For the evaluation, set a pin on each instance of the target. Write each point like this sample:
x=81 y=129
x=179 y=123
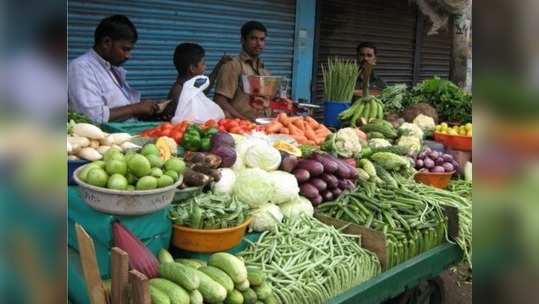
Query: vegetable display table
x=404 y=276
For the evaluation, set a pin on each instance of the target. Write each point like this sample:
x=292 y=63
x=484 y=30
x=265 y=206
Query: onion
x=419 y=163
x=439 y=161
x=448 y=167
x=422 y=155
x=434 y=155
x=438 y=169
x=447 y=157
x=455 y=164
x=428 y=163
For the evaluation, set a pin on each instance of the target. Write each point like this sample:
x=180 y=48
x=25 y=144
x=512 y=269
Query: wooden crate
x=375 y=241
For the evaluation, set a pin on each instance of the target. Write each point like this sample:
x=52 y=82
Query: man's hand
x=146 y=108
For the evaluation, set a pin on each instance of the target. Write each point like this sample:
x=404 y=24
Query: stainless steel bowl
x=261 y=85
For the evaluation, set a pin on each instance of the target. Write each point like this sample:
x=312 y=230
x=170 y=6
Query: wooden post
x=90 y=268
x=140 y=288
x=462 y=52
x=120 y=276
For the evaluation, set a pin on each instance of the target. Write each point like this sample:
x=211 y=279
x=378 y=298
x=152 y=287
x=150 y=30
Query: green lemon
x=147 y=183
x=113 y=153
x=97 y=177
x=84 y=172
x=117 y=181
x=130 y=188
x=100 y=163
x=156 y=172
x=172 y=174
x=139 y=165
x=164 y=180
x=175 y=164
x=150 y=149
x=114 y=166
x=131 y=179
x=155 y=160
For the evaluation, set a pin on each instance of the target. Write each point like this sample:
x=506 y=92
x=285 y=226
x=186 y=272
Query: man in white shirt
x=97 y=84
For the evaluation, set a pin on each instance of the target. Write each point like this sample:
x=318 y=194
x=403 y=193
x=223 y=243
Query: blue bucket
x=332 y=110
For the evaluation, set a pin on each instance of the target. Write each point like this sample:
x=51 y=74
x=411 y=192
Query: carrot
x=310 y=142
x=299 y=138
x=311 y=121
x=299 y=123
x=309 y=133
x=294 y=130
x=319 y=140
x=283 y=118
x=284 y=131
x=274 y=127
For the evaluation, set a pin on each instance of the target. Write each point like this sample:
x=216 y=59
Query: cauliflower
x=379 y=143
x=426 y=123
x=346 y=142
x=409 y=129
x=411 y=142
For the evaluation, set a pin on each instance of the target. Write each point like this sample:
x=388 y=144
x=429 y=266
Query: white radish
x=102 y=149
x=120 y=138
x=72 y=157
x=117 y=147
x=90 y=154
x=69 y=148
x=129 y=145
x=88 y=130
x=94 y=143
x=107 y=140
x=78 y=141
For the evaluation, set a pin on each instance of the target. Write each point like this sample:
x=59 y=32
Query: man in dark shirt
x=366 y=52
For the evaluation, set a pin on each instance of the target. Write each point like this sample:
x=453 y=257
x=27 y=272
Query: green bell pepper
x=192 y=141
x=205 y=144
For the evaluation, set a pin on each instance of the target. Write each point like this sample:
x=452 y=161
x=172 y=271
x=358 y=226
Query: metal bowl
x=123 y=202
x=263 y=120
x=261 y=85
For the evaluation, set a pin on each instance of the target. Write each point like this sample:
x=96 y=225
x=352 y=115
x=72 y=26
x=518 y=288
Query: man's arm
x=139 y=109
x=215 y=72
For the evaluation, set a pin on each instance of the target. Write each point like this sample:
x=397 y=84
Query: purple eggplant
x=330 y=166
x=302 y=175
x=448 y=167
x=428 y=163
x=314 y=167
x=316 y=200
x=320 y=184
x=437 y=169
x=308 y=190
x=288 y=163
x=330 y=179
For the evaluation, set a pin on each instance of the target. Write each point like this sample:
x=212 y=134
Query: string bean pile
x=411 y=223
x=307 y=261
x=460 y=199
x=209 y=211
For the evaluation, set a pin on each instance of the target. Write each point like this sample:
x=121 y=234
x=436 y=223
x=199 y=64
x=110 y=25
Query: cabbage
x=411 y=142
x=296 y=207
x=254 y=187
x=379 y=143
x=285 y=187
x=226 y=182
x=265 y=218
x=262 y=155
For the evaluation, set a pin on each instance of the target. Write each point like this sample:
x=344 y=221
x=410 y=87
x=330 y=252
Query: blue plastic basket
x=129 y=127
x=332 y=109
x=72 y=165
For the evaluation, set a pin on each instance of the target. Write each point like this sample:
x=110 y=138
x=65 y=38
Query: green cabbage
x=226 y=182
x=265 y=218
x=294 y=208
x=254 y=187
x=262 y=155
x=285 y=187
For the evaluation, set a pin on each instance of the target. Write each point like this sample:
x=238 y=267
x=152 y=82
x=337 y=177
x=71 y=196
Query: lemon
x=438 y=128
x=444 y=125
x=469 y=125
x=462 y=132
x=452 y=132
x=469 y=133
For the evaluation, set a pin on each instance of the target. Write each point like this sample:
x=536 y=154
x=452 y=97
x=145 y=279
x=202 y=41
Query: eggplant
x=448 y=167
x=314 y=167
x=419 y=163
x=302 y=175
x=447 y=157
x=439 y=161
x=330 y=166
x=194 y=178
x=309 y=191
x=317 y=200
x=429 y=163
x=319 y=183
x=288 y=163
x=327 y=195
x=331 y=181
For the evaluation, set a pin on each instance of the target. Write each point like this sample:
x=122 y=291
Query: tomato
x=177 y=136
x=232 y=124
x=167 y=125
x=166 y=132
x=222 y=129
x=236 y=130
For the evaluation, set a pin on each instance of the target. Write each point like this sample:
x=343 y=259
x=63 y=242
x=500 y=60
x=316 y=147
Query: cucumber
x=263 y=291
x=259 y=302
x=255 y=276
x=234 y=297
x=368 y=166
x=196 y=297
x=399 y=150
x=176 y=294
x=180 y=274
x=270 y=300
x=193 y=263
x=362 y=174
x=375 y=134
x=218 y=276
x=211 y=291
x=242 y=286
x=249 y=296
x=165 y=256
x=158 y=296
x=230 y=264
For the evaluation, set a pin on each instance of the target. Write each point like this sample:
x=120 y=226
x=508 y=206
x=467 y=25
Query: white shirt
x=93 y=89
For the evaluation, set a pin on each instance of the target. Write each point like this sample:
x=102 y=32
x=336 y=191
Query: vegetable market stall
x=273 y=178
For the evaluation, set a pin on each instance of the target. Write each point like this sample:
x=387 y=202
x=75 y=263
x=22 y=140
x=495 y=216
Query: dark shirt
x=375 y=82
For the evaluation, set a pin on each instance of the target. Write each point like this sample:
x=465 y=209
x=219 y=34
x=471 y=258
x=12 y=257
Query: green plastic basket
x=129 y=127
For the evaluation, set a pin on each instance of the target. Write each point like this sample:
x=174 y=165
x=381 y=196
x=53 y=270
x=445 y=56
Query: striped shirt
x=95 y=87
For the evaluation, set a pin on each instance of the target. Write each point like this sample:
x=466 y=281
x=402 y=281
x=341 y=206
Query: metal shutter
x=436 y=53
x=390 y=24
x=214 y=24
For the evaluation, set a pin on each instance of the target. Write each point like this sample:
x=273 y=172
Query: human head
x=189 y=59
x=253 y=38
x=114 y=38
x=366 y=51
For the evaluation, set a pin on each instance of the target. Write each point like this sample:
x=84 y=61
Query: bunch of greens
x=393 y=96
x=340 y=77
x=452 y=103
x=78 y=117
